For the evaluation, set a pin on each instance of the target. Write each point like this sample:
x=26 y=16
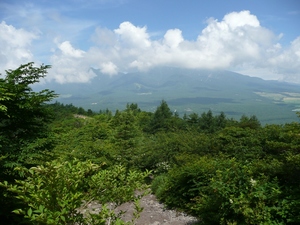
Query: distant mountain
x=186 y=91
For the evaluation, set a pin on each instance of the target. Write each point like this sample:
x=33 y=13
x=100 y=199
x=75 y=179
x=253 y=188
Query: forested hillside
x=186 y=91
x=56 y=158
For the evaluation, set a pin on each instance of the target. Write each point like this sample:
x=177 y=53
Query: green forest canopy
x=223 y=171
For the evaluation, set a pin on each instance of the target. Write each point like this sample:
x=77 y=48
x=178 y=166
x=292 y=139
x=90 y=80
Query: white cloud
x=109 y=68
x=15 y=46
x=69 y=65
x=237 y=39
x=287 y=62
x=173 y=38
x=104 y=37
x=68 y=50
x=237 y=42
x=132 y=36
x=241 y=19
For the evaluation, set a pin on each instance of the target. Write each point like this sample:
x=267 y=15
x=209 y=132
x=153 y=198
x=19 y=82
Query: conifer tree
x=161 y=118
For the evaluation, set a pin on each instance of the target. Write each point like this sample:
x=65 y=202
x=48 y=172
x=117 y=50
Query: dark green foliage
x=206 y=123
x=59 y=192
x=87 y=141
x=244 y=185
x=133 y=107
x=126 y=137
x=251 y=122
x=161 y=118
x=242 y=143
x=226 y=191
x=222 y=170
x=81 y=111
x=23 y=118
x=61 y=111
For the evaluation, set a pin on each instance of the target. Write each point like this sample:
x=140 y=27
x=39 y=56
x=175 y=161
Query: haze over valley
x=186 y=91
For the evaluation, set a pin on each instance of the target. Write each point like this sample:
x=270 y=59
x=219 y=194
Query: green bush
x=180 y=183
x=221 y=190
x=243 y=197
x=59 y=192
x=157 y=185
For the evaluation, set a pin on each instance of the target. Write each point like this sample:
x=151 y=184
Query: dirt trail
x=154 y=213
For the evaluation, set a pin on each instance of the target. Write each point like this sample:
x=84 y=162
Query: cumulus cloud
x=15 y=46
x=238 y=38
x=109 y=68
x=173 y=38
x=69 y=65
x=237 y=42
x=240 y=19
x=133 y=36
x=287 y=62
x=68 y=50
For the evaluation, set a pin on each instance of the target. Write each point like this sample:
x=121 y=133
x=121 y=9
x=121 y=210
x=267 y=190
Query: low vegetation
x=57 y=158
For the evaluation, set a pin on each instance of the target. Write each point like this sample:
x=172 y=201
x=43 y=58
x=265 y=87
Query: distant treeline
x=158 y=120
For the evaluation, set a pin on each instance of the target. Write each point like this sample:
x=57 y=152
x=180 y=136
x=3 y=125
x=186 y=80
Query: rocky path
x=155 y=213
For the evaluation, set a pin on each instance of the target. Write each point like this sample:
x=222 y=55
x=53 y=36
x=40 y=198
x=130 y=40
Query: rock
x=154 y=213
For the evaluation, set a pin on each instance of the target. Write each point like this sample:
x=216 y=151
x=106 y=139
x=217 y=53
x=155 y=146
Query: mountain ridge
x=197 y=90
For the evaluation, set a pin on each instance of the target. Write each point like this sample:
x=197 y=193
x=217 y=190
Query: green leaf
x=63 y=218
x=17 y=211
x=41 y=208
x=29 y=212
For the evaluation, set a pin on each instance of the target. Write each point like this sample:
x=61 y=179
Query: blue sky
x=253 y=37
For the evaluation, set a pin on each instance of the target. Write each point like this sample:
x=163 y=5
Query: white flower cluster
x=253 y=182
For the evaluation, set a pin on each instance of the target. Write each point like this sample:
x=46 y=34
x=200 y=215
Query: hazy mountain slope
x=187 y=90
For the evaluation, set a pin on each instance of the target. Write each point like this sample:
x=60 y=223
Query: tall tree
x=23 y=122
x=23 y=117
x=126 y=138
x=251 y=122
x=207 y=122
x=161 y=118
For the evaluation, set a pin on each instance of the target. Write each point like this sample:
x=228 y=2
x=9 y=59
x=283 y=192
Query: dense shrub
x=59 y=192
x=221 y=170
x=227 y=191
